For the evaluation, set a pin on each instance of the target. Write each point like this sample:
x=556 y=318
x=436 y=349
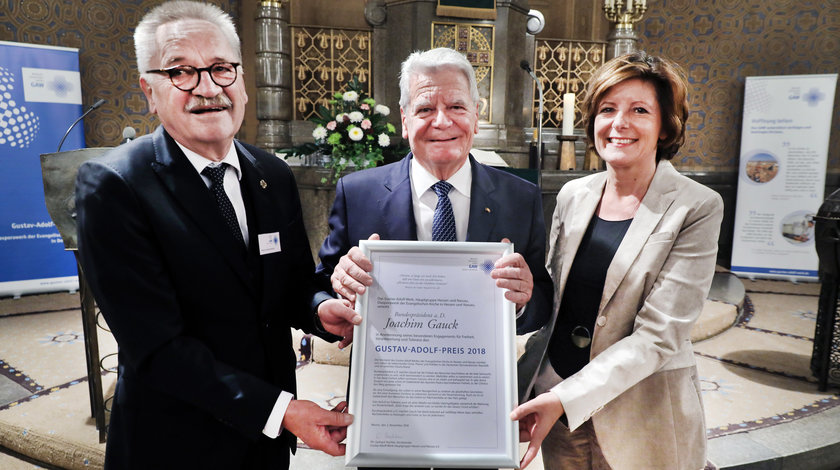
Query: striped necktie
x=443 y=224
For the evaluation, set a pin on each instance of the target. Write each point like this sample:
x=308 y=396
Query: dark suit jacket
x=203 y=330
x=502 y=205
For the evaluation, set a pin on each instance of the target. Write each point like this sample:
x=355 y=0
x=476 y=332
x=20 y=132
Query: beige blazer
x=640 y=387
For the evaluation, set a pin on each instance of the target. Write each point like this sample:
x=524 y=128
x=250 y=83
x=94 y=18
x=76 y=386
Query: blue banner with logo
x=40 y=96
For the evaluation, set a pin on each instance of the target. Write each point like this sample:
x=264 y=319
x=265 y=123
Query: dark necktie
x=217 y=187
x=443 y=224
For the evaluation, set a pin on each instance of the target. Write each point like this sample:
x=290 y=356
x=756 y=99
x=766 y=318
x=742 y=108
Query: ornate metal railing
x=324 y=60
x=563 y=66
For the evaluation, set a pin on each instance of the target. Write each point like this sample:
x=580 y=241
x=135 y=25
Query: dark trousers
x=264 y=454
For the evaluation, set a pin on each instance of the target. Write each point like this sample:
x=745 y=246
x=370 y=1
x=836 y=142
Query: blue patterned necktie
x=217 y=187
x=443 y=225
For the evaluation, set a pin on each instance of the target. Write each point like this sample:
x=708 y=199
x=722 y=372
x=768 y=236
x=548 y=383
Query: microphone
x=98 y=103
x=128 y=135
x=527 y=67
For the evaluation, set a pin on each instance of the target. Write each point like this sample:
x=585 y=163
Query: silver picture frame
x=433 y=370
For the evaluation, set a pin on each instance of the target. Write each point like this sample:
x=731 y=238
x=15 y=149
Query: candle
x=568 y=113
x=629 y=5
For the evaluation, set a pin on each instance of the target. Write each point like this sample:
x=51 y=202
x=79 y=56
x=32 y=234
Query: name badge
x=269 y=243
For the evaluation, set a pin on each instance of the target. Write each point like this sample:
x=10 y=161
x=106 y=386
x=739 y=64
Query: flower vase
x=324 y=160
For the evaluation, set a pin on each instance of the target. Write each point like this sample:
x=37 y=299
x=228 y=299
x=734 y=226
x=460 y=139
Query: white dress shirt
x=424 y=199
x=233 y=175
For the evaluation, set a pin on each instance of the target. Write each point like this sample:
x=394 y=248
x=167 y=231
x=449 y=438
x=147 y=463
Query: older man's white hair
x=145 y=42
x=433 y=61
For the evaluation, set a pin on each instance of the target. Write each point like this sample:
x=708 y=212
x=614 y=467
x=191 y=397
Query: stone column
x=621 y=40
x=273 y=75
x=384 y=78
x=406 y=27
x=506 y=133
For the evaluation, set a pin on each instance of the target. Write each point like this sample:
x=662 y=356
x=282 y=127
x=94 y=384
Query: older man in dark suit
x=439 y=181
x=195 y=249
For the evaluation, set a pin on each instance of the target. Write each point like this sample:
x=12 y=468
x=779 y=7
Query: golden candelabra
x=625 y=14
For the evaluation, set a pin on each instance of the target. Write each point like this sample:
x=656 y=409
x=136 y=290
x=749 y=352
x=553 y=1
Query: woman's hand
x=511 y=272
x=536 y=418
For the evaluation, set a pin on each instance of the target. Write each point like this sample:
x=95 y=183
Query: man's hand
x=338 y=317
x=320 y=429
x=536 y=418
x=511 y=272
x=350 y=277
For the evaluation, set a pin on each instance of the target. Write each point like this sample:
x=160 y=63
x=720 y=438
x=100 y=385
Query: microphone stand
x=92 y=107
x=539 y=132
x=526 y=67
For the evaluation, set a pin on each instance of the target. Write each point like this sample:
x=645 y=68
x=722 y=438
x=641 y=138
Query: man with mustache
x=195 y=249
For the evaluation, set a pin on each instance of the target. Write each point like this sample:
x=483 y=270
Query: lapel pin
x=263 y=184
x=487 y=210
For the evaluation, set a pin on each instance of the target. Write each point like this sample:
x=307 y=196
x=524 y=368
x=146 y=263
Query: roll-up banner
x=40 y=96
x=781 y=177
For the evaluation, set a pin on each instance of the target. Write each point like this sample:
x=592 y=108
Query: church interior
x=765 y=407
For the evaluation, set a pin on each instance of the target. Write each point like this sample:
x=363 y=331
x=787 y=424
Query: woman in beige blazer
x=632 y=257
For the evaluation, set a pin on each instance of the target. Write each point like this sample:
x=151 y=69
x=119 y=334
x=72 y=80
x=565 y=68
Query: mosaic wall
x=102 y=30
x=722 y=42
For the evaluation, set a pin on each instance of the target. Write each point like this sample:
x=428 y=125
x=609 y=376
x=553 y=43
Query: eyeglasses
x=187 y=77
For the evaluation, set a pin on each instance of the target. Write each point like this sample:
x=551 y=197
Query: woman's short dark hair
x=667 y=78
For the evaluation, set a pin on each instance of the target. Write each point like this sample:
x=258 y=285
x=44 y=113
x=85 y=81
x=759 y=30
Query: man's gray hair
x=432 y=61
x=145 y=41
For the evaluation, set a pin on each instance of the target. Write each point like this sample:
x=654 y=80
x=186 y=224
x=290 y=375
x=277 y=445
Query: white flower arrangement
x=320 y=133
x=355 y=133
x=350 y=96
x=353 y=130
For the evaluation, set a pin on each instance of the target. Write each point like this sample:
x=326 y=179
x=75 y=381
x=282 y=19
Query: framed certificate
x=433 y=373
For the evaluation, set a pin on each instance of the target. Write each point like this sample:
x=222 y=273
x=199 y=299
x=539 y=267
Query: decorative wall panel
x=721 y=43
x=103 y=31
x=324 y=61
x=718 y=42
x=563 y=67
x=475 y=41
